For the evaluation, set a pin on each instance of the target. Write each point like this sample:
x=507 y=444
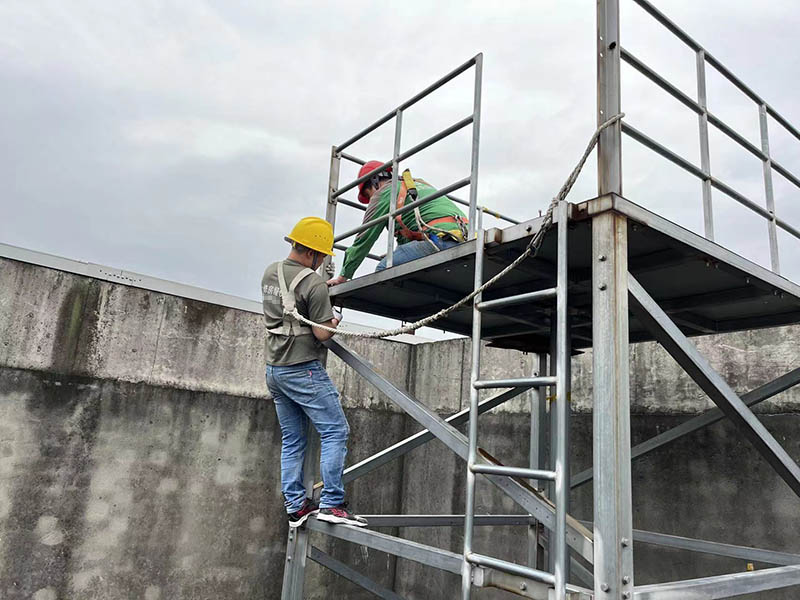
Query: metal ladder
x=559 y=436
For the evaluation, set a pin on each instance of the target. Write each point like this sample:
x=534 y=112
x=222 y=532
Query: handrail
x=705 y=117
x=410 y=102
x=408 y=207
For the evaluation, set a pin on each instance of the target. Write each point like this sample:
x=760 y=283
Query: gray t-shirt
x=313 y=303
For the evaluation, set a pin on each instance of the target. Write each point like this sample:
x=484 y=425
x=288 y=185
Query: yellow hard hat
x=314 y=233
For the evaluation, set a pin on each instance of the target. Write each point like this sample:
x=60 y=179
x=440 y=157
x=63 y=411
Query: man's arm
x=355 y=254
x=323 y=335
x=320 y=309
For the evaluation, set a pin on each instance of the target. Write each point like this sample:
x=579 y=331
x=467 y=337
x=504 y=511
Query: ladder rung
x=518 y=299
x=512 y=568
x=515 y=383
x=514 y=471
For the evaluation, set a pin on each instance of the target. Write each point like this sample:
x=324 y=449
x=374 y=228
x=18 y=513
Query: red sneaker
x=340 y=514
x=296 y=519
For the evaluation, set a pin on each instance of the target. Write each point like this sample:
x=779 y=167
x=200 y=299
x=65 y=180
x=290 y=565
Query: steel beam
x=418 y=439
x=721 y=586
x=445 y=520
x=705 y=157
x=426 y=555
x=613 y=530
x=577 y=536
x=361 y=580
x=561 y=408
x=294 y=570
x=751 y=398
x=760 y=555
x=681 y=349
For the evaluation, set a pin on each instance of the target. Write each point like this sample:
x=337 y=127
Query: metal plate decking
x=704 y=287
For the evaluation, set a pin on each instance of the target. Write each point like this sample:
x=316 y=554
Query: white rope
x=531 y=249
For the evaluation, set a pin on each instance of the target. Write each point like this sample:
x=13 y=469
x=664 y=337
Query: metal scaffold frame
x=559 y=546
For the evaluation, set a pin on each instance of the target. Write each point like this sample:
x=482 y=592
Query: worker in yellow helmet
x=299 y=385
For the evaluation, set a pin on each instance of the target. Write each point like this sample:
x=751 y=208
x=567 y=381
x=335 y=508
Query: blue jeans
x=301 y=393
x=413 y=250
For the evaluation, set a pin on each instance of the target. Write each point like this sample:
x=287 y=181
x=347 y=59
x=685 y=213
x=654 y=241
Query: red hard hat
x=369 y=166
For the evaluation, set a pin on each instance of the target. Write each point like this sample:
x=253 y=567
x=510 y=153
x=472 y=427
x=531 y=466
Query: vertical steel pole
x=294 y=570
x=705 y=156
x=613 y=530
x=469 y=507
x=476 y=142
x=551 y=438
x=398 y=127
x=770 y=194
x=330 y=209
x=536 y=455
x=609 y=145
x=561 y=434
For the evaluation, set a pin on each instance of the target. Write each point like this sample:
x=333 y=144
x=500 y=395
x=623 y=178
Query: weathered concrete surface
x=139 y=451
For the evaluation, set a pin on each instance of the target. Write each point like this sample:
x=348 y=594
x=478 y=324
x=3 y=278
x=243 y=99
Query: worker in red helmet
x=431 y=227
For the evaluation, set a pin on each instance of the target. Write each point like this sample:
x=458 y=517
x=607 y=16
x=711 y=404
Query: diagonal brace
x=578 y=536
x=687 y=356
x=751 y=398
x=418 y=439
x=361 y=580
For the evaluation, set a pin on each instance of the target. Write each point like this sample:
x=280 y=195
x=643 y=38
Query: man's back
x=313 y=303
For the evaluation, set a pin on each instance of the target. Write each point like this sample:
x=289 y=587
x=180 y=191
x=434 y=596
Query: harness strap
x=402 y=229
x=422 y=226
x=290 y=325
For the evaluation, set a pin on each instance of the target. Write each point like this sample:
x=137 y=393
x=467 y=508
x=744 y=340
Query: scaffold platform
x=704 y=287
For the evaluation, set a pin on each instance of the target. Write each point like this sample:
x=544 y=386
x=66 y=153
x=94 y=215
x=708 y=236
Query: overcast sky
x=183 y=139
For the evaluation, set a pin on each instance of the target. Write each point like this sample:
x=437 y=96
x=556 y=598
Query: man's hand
x=337 y=280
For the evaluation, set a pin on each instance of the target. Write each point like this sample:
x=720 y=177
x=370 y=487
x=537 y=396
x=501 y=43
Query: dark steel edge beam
x=751 y=398
x=527 y=497
x=721 y=586
x=695 y=322
x=418 y=439
x=686 y=355
x=709 y=248
x=361 y=580
x=730 y=295
x=426 y=555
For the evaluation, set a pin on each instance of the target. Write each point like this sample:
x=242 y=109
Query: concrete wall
x=139 y=452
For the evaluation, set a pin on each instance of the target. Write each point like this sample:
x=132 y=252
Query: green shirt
x=379 y=207
x=313 y=303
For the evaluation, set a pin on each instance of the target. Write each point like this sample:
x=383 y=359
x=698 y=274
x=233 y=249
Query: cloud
x=182 y=139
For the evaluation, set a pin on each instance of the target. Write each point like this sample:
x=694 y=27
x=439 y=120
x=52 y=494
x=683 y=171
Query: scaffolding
x=605 y=258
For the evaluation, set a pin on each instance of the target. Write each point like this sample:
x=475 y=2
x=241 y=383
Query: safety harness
x=408 y=187
x=290 y=325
